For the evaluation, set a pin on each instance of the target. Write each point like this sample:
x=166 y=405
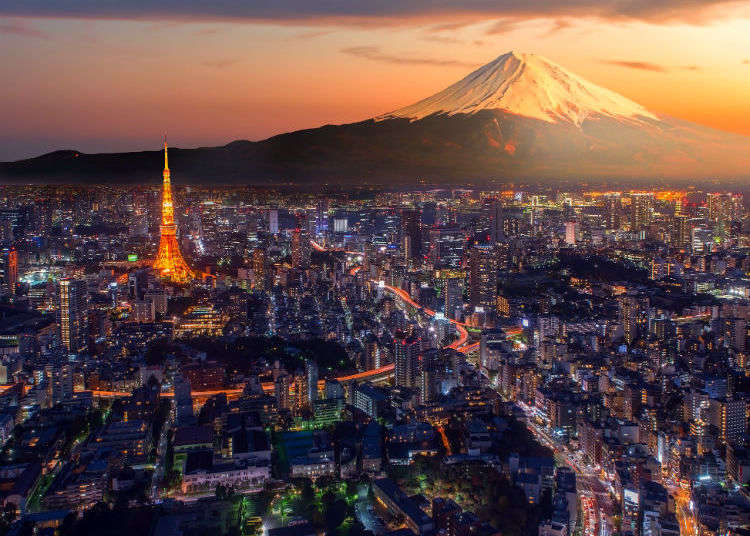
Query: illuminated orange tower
x=169 y=261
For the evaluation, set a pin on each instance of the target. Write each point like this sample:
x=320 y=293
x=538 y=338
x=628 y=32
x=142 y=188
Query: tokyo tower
x=169 y=261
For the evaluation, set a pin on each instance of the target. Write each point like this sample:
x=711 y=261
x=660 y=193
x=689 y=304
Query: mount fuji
x=520 y=116
x=526 y=85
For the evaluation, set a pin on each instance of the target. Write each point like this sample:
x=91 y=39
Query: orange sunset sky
x=118 y=78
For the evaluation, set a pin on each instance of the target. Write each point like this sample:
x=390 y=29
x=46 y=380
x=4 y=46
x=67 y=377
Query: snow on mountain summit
x=526 y=85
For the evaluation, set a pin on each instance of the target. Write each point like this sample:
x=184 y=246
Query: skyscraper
x=612 y=208
x=73 y=314
x=724 y=207
x=482 y=276
x=300 y=248
x=183 y=401
x=311 y=381
x=505 y=221
x=273 y=221
x=640 y=211
x=9 y=271
x=59 y=382
x=629 y=309
x=453 y=296
x=406 y=357
x=281 y=390
x=259 y=268
x=169 y=261
x=681 y=231
x=411 y=232
x=571 y=230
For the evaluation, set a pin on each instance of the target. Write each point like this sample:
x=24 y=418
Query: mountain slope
x=529 y=86
x=518 y=117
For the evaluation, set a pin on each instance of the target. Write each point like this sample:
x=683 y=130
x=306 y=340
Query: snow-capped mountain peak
x=526 y=85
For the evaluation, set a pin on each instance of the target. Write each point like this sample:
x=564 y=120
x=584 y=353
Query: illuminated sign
x=132 y=257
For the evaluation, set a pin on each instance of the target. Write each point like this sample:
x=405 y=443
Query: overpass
x=459 y=344
x=374 y=375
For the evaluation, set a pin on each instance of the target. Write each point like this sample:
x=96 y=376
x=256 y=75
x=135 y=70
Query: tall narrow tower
x=169 y=261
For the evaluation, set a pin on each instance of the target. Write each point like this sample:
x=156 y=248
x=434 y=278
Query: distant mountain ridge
x=520 y=116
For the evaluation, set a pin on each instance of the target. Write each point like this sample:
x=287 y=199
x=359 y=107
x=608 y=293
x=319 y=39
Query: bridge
x=374 y=375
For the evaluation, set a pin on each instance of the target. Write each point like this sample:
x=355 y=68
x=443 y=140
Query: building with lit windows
x=73 y=314
x=482 y=276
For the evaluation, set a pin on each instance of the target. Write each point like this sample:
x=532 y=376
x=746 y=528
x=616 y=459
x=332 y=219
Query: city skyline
x=488 y=276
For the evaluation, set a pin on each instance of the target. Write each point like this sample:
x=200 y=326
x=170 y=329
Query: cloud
x=652 y=67
x=312 y=34
x=441 y=39
x=452 y=26
x=558 y=26
x=22 y=30
x=639 y=65
x=347 y=11
x=220 y=63
x=746 y=62
x=375 y=54
x=503 y=26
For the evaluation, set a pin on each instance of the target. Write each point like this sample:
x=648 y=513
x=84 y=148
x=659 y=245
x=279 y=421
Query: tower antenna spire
x=166 y=160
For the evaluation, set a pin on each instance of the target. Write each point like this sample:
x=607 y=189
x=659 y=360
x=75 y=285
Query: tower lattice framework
x=169 y=261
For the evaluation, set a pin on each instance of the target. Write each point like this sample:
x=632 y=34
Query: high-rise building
x=311 y=381
x=183 y=401
x=630 y=309
x=406 y=357
x=729 y=416
x=260 y=269
x=273 y=221
x=321 y=217
x=453 y=296
x=428 y=373
x=612 y=210
x=9 y=271
x=59 y=382
x=281 y=389
x=300 y=249
x=571 y=230
x=169 y=262
x=681 y=231
x=631 y=510
x=505 y=221
x=640 y=210
x=411 y=232
x=724 y=207
x=73 y=314
x=482 y=276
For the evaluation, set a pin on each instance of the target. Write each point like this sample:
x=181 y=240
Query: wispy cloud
x=441 y=39
x=557 y=26
x=451 y=26
x=375 y=54
x=639 y=65
x=503 y=26
x=652 y=67
x=312 y=34
x=23 y=30
x=220 y=63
